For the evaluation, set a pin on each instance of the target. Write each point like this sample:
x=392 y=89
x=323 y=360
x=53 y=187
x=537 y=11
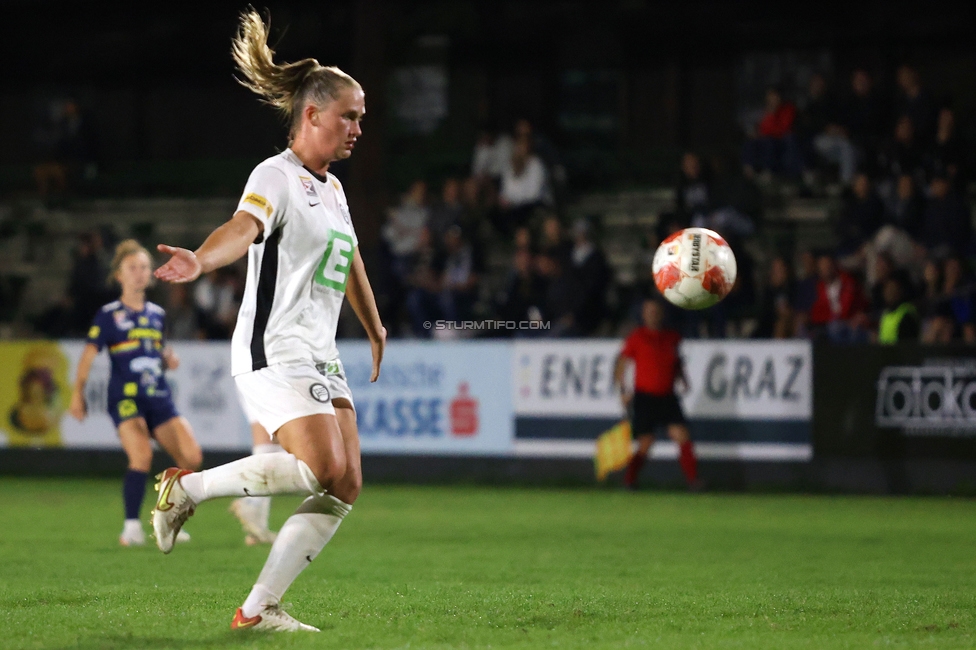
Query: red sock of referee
x=686 y=453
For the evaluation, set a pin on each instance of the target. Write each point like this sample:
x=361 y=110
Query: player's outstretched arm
x=225 y=245
x=360 y=295
x=78 y=409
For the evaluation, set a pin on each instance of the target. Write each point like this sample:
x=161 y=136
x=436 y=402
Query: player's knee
x=328 y=471
x=679 y=434
x=349 y=487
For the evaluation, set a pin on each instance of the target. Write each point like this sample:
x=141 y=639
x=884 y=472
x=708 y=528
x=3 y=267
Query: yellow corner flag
x=613 y=449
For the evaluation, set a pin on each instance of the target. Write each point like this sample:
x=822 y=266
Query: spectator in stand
x=865 y=116
x=405 y=223
x=935 y=317
x=523 y=189
x=899 y=321
x=773 y=148
x=87 y=285
x=947 y=156
x=462 y=270
x=546 y=151
x=65 y=146
x=860 y=217
x=806 y=290
x=592 y=277
x=838 y=313
x=561 y=295
x=217 y=300
x=946 y=225
x=900 y=157
x=424 y=284
x=182 y=319
x=958 y=294
x=524 y=294
x=905 y=209
x=492 y=150
x=821 y=127
x=447 y=212
x=915 y=103
x=522 y=238
x=884 y=270
x=776 y=315
x=553 y=240
x=693 y=192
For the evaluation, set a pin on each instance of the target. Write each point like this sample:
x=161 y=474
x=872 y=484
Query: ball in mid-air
x=694 y=268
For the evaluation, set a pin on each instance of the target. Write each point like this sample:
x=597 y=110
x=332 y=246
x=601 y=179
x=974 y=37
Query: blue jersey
x=135 y=344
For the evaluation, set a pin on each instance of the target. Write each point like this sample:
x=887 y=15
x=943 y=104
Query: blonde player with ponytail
x=139 y=399
x=293 y=224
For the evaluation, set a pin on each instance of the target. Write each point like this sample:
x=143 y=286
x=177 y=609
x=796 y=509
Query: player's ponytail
x=125 y=248
x=287 y=86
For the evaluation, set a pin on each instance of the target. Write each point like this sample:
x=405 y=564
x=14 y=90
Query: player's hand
x=77 y=408
x=682 y=385
x=377 y=347
x=170 y=358
x=626 y=399
x=183 y=266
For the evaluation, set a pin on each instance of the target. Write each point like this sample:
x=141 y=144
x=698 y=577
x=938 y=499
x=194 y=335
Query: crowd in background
x=901 y=269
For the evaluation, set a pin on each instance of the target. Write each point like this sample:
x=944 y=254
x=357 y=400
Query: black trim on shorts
x=267 y=278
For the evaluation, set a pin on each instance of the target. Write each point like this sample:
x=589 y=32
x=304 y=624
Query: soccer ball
x=694 y=268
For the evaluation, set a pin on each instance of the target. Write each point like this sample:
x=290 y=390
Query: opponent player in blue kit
x=139 y=399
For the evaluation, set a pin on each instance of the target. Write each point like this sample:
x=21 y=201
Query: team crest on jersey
x=309 y=185
x=122 y=320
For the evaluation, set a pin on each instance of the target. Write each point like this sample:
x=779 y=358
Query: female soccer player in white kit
x=294 y=225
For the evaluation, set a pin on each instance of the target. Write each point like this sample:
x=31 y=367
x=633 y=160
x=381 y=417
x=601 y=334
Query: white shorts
x=284 y=392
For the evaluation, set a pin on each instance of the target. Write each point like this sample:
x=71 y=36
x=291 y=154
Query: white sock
x=299 y=541
x=132 y=526
x=261 y=506
x=259 y=475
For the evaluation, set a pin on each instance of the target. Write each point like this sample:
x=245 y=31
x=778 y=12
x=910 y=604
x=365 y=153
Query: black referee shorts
x=649 y=412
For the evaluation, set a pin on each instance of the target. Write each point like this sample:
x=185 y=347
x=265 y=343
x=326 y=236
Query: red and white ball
x=694 y=268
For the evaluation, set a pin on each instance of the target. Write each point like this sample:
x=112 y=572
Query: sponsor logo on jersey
x=320 y=393
x=94 y=332
x=259 y=201
x=122 y=320
x=309 y=185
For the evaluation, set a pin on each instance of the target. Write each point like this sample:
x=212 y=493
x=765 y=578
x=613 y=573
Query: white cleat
x=272 y=619
x=173 y=508
x=182 y=537
x=254 y=531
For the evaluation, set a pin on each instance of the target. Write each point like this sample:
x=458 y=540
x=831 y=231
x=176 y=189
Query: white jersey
x=296 y=270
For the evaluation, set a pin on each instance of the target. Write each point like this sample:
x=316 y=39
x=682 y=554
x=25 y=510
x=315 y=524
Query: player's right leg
x=644 y=442
x=254 y=512
x=300 y=472
x=134 y=436
x=283 y=399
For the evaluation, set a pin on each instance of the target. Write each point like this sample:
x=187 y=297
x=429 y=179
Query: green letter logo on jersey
x=333 y=271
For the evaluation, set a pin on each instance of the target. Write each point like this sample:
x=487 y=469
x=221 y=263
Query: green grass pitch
x=467 y=567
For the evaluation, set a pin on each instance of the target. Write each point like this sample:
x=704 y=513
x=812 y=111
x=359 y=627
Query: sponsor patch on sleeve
x=259 y=201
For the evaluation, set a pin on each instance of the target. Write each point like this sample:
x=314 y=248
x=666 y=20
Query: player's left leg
x=175 y=435
x=678 y=432
x=134 y=436
x=309 y=529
